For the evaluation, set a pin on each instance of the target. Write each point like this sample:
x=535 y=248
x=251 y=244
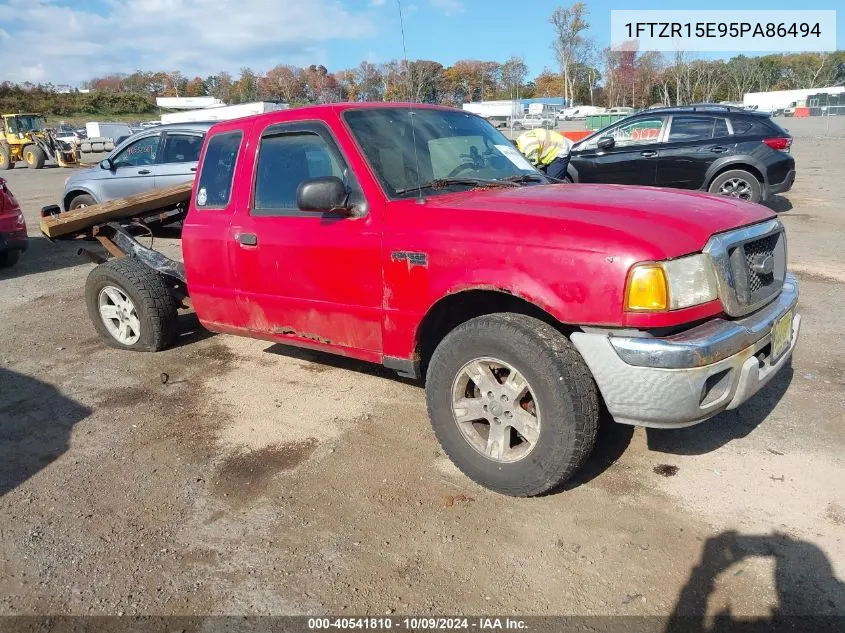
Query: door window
x=181 y=148
x=639 y=132
x=691 y=128
x=141 y=152
x=285 y=161
x=218 y=169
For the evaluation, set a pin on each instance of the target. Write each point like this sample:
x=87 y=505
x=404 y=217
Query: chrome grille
x=750 y=266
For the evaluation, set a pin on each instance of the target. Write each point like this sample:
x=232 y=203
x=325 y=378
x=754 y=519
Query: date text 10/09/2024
x=417 y=623
x=722 y=29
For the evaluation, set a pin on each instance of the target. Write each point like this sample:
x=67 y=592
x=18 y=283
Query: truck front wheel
x=512 y=403
x=131 y=306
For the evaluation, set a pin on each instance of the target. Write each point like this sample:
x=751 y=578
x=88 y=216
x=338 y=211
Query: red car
x=417 y=237
x=13 y=239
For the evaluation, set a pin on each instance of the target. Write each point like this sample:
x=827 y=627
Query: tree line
x=583 y=74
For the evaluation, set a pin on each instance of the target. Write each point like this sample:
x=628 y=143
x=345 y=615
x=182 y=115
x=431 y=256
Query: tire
x=517 y=126
x=152 y=304
x=34 y=156
x=565 y=398
x=82 y=200
x=9 y=258
x=744 y=184
x=5 y=158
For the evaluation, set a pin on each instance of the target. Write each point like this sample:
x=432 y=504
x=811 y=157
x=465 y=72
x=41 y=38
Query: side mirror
x=107 y=164
x=606 y=142
x=327 y=193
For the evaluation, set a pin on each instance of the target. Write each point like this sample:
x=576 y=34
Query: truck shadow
x=36 y=422
x=778 y=203
x=810 y=597
x=725 y=427
x=339 y=362
x=45 y=256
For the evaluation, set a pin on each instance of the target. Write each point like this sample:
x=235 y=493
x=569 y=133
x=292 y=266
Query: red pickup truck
x=417 y=237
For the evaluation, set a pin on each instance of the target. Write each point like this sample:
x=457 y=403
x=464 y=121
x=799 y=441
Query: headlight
x=671 y=285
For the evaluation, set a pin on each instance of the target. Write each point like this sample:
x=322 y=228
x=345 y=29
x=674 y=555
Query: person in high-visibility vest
x=547 y=150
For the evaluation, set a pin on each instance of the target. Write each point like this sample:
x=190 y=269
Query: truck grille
x=754 y=252
x=750 y=266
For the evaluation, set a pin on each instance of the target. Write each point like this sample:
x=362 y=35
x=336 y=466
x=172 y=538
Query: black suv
x=715 y=148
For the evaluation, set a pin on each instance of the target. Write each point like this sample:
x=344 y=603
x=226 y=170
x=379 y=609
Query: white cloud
x=449 y=7
x=194 y=36
x=377 y=3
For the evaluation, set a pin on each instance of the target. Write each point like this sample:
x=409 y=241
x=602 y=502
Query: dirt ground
x=260 y=479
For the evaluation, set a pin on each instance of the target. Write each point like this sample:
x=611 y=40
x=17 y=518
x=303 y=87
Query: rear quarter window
x=751 y=127
x=218 y=170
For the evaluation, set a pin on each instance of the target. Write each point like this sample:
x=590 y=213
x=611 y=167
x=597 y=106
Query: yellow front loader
x=26 y=137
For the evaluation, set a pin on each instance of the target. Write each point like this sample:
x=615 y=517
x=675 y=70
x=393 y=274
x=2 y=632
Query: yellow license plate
x=781 y=335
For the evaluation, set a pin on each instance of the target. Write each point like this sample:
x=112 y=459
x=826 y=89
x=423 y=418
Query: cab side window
x=141 y=152
x=286 y=160
x=218 y=170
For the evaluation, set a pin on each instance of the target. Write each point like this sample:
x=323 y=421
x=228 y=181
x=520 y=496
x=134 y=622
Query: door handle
x=144 y=172
x=718 y=149
x=248 y=239
x=193 y=168
x=649 y=153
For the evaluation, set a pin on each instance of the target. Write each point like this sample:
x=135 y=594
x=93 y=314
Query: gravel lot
x=264 y=479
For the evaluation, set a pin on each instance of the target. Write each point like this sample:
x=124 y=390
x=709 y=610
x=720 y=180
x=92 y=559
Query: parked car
x=620 y=110
x=420 y=239
x=153 y=159
x=718 y=149
x=532 y=121
x=13 y=238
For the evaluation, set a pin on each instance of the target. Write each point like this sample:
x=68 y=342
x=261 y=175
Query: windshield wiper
x=521 y=178
x=442 y=183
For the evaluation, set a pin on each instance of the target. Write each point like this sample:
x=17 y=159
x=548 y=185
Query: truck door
x=312 y=277
x=206 y=236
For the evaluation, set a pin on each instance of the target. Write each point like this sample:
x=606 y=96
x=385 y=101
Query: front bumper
x=686 y=378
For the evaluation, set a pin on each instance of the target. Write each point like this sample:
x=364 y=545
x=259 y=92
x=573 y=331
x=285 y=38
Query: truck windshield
x=441 y=145
x=26 y=123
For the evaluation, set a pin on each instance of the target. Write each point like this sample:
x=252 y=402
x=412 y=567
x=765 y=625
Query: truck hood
x=673 y=222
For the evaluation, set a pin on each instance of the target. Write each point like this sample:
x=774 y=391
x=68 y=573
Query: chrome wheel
x=737 y=188
x=495 y=410
x=119 y=315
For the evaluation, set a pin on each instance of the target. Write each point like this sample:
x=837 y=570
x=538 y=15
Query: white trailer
x=498 y=109
x=781 y=99
x=223 y=113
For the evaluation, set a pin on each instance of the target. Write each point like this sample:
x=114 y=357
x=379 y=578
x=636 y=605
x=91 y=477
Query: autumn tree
x=570 y=44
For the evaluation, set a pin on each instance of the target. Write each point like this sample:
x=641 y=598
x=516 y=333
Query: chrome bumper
x=684 y=379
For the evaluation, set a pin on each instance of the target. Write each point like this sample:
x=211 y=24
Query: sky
x=69 y=41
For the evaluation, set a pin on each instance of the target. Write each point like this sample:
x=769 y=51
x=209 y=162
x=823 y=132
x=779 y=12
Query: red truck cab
x=417 y=237
x=13 y=237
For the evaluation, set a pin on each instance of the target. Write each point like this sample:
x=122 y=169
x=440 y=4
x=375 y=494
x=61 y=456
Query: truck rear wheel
x=512 y=403
x=130 y=305
x=34 y=156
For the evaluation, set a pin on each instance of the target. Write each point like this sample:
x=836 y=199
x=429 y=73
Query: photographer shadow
x=810 y=597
